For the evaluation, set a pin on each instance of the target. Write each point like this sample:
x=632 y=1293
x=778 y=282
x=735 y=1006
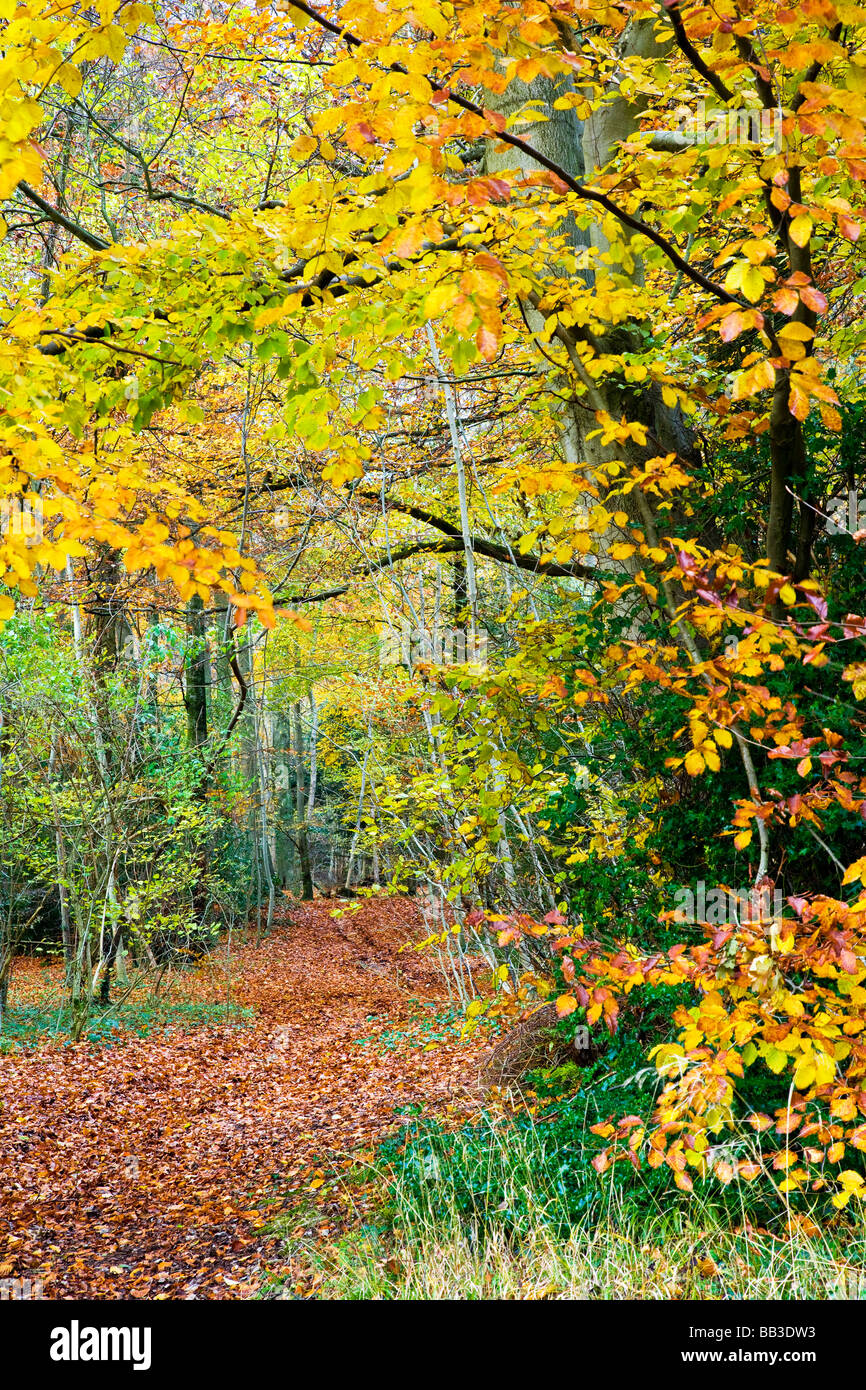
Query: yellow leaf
x=797 y=330
x=69 y=78
x=775 y=1059
x=805 y=1074
x=752 y=282
x=854 y=871
x=25 y=116
x=440 y=299
x=340 y=472
x=825 y=1068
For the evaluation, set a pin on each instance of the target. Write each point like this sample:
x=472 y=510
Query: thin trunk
x=264 y=832
x=314 y=739
x=283 y=809
x=353 y=848
x=195 y=699
x=788 y=457
x=789 y=471
x=300 y=804
x=457 y=453
x=197 y=661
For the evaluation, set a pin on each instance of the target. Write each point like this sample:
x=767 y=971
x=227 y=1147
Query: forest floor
x=152 y=1166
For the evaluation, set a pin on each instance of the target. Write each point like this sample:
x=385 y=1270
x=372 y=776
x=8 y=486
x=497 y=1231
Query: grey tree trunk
x=582 y=148
x=283 y=808
x=301 y=836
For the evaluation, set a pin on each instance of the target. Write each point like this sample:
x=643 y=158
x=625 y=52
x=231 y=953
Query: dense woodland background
x=432 y=663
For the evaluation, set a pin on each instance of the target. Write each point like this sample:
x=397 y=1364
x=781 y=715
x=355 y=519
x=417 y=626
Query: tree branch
x=55 y=215
x=451 y=542
x=687 y=47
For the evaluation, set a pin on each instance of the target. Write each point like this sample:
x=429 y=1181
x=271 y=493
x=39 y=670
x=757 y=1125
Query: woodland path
x=148 y=1168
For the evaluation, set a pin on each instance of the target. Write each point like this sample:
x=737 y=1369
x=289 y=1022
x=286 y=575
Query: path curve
x=145 y=1169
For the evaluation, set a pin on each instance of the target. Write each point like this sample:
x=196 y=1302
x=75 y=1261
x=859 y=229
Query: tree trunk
x=283 y=808
x=197 y=663
x=302 y=837
x=582 y=148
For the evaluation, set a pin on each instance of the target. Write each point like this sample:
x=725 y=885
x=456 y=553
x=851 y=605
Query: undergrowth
x=512 y=1209
x=509 y=1206
x=34 y=1024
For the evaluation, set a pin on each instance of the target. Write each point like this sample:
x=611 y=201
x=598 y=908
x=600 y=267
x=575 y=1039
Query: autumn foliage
x=332 y=328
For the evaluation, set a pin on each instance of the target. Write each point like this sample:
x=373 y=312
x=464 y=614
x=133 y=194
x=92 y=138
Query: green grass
x=609 y=1260
x=502 y=1210
x=510 y=1206
x=32 y=1024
